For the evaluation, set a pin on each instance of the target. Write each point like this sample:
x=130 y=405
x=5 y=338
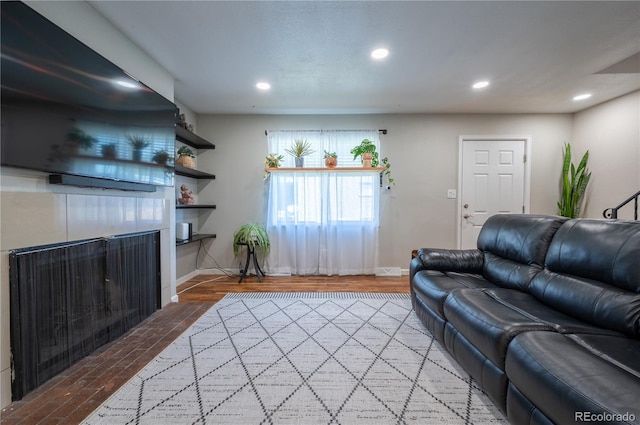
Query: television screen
x=66 y=109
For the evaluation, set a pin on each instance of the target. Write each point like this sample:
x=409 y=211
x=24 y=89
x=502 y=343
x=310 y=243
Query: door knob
x=465 y=206
x=466 y=216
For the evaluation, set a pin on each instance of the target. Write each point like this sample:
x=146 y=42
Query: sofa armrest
x=452 y=260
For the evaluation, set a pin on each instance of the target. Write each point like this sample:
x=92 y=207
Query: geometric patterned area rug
x=303 y=359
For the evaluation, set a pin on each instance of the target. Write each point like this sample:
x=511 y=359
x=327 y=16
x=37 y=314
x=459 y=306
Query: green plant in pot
x=79 y=139
x=254 y=236
x=366 y=150
x=300 y=149
x=138 y=143
x=574 y=184
x=160 y=157
x=273 y=160
x=185 y=157
x=330 y=159
x=109 y=150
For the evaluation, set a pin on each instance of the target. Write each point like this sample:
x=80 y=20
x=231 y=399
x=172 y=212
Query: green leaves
x=252 y=234
x=366 y=146
x=300 y=148
x=574 y=184
x=185 y=151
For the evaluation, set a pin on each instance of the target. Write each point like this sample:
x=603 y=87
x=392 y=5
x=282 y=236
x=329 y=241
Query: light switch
x=451 y=194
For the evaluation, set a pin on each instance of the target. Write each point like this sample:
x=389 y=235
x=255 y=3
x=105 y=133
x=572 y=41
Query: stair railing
x=613 y=212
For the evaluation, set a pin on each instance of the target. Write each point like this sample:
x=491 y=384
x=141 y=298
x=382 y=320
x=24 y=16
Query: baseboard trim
x=388 y=271
x=378 y=271
x=183 y=279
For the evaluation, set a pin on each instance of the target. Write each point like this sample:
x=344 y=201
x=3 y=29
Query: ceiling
x=537 y=55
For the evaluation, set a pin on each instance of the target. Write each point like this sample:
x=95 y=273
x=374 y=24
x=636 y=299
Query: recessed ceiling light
x=263 y=86
x=480 y=84
x=380 y=53
x=582 y=96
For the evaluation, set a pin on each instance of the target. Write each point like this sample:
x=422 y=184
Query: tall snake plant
x=574 y=184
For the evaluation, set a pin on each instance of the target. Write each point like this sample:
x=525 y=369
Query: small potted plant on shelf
x=185 y=157
x=330 y=159
x=253 y=235
x=366 y=150
x=273 y=160
x=109 y=150
x=138 y=143
x=79 y=140
x=300 y=149
x=160 y=157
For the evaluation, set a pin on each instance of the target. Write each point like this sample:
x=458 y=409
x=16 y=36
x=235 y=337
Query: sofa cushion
x=463 y=260
x=592 y=272
x=568 y=376
x=433 y=287
x=520 y=410
x=487 y=324
x=530 y=307
x=490 y=319
x=515 y=246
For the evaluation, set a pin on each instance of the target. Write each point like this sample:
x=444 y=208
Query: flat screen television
x=67 y=110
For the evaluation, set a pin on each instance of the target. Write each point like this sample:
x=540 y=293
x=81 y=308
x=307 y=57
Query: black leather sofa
x=544 y=315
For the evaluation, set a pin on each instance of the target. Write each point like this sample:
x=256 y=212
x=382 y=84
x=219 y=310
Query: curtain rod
x=381 y=130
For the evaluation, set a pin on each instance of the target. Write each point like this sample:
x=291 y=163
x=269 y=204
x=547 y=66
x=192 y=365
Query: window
x=320 y=197
x=318 y=221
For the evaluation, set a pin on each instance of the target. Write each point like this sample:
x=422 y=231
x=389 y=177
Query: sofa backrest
x=515 y=246
x=592 y=272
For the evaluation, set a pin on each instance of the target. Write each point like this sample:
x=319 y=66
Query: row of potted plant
x=79 y=139
x=274 y=160
x=300 y=148
x=109 y=150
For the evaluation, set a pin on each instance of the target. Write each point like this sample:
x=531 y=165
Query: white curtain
x=323 y=222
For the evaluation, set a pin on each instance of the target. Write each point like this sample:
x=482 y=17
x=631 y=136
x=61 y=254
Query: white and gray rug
x=302 y=358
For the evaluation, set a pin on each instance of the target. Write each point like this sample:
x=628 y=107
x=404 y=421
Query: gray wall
x=611 y=133
x=422 y=149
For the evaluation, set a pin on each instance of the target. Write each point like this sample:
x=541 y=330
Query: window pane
x=300 y=197
x=322 y=198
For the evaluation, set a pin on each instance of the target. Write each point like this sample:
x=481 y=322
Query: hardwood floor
x=72 y=395
x=211 y=288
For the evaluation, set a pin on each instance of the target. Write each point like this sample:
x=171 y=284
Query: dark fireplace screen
x=69 y=299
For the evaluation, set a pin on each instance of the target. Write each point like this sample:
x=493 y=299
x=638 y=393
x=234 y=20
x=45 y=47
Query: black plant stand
x=251 y=252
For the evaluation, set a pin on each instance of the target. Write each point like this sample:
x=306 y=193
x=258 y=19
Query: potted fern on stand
x=574 y=184
x=254 y=236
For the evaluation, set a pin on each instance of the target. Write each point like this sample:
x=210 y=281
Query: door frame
x=528 y=140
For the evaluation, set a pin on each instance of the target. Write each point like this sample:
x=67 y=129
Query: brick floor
x=72 y=395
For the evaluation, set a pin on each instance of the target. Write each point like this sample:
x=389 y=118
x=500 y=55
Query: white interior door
x=492 y=182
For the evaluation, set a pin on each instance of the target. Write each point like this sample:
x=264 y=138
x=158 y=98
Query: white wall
x=611 y=133
x=32 y=212
x=422 y=149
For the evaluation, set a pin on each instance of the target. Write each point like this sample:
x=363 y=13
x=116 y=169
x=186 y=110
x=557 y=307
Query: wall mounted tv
x=69 y=111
